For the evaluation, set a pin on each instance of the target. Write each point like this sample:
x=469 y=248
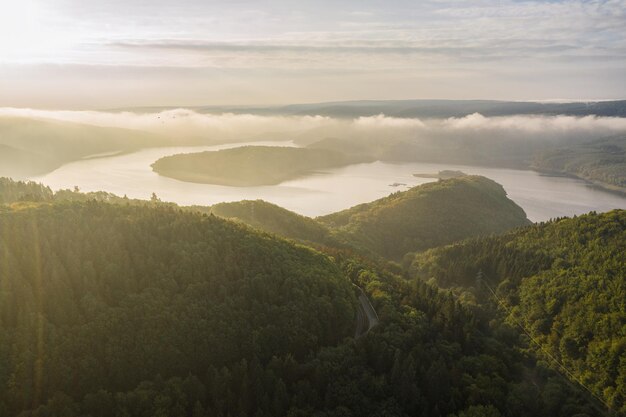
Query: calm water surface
x=542 y=197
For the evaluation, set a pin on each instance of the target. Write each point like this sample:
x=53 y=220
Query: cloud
x=536 y=125
x=184 y=125
x=384 y=122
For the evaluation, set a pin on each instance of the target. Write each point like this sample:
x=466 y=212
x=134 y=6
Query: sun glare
x=25 y=34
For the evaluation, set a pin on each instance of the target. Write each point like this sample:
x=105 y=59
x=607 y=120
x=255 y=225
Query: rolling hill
x=427 y=216
x=97 y=296
x=562 y=282
x=142 y=308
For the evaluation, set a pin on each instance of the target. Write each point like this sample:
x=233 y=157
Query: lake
x=542 y=197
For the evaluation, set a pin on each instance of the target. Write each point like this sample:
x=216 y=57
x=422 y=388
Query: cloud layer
x=185 y=126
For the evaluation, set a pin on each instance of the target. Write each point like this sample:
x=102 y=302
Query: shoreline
x=598 y=185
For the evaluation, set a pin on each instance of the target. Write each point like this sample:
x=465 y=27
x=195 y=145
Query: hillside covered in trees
x=423 y=217
x=111 y=309
x=563 y=282
x=249 y=165
x=602 y=162
x=115 y=307
x=427 y=216
x=97 y=296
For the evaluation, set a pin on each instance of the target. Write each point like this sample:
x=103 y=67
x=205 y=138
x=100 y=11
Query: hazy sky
x=115 y=53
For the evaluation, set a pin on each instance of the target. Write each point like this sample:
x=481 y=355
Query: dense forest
x=105 y=296
x=562 y=282
x=422 y=217
x=426 y=216
x=601 y=161
x=249 y=165
x=118 y=307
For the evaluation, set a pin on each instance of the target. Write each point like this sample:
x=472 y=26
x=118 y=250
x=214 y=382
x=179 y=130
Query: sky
x=87 y=54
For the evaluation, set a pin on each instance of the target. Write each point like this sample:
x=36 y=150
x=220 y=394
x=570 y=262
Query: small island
x=248 y=165
x=446 y=174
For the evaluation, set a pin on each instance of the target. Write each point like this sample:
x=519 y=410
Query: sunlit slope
x=427 y=216
x=42 y=145
x=248 y=165
x=564 y=281
x=98 y=296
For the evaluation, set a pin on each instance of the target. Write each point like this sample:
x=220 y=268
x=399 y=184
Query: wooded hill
x=130 y=308
x=426 y=216
x=562 y=281
x=249 y=165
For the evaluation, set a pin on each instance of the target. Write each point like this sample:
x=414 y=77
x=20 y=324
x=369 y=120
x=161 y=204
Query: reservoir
x=542 y=197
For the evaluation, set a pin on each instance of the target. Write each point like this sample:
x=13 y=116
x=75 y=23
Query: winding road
x=366 y=317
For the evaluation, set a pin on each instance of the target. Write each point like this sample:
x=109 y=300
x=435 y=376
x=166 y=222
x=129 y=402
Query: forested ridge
x=102 y=296
x=563 y=281
x=145 y=309
x=427 y=216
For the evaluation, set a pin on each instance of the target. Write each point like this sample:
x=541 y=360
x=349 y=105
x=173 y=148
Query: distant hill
x=20 y=163
x=423 y=108
x=248 y=165
x=426 y=216
x=563 y=281
x=601 y=161
x=31 y=146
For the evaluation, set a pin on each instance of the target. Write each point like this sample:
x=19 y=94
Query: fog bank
x=183 y=126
